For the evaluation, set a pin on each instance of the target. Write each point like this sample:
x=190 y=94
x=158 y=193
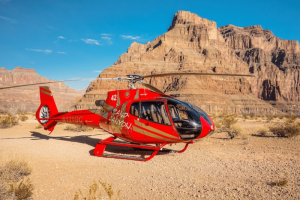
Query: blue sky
x=66 y=39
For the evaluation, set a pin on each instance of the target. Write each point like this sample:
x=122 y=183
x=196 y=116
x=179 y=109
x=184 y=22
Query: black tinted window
x=155 y=111
x=134 y=109
x=183 y=115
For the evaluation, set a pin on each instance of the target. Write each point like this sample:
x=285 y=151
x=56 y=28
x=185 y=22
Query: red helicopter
x=138 y=116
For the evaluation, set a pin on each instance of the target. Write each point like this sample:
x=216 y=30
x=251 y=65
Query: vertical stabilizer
x=47 y=109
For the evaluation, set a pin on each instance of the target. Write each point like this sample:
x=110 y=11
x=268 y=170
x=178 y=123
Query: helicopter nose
x=207 y=128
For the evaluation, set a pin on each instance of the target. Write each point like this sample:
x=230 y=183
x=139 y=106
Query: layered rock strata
x=27 y=98
x=276 y=62
x=195 y=44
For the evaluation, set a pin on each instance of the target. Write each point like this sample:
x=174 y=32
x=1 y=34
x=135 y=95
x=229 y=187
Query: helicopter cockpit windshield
x=185 y=119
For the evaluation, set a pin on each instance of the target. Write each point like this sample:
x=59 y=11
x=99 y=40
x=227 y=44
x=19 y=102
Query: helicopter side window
x=155 y=111
x=134 y=109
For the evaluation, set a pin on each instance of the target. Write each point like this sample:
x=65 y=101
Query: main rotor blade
x=15 y=86
x=151 y=87
x=192 y=73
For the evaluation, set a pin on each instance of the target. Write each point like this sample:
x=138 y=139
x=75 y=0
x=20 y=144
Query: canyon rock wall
x=276 y=62
x=195 y=44
x=28 y=98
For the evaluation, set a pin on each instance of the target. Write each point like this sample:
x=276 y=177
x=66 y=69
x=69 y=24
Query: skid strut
x=101 y=146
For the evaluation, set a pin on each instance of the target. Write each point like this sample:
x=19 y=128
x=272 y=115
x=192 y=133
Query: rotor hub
x=133 y=78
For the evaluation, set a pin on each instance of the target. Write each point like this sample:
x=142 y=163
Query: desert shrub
x=269 y=117
x=13 y=181
x=236 y=130
x=23 y=118
x=22 y=190
x=290 y=118
x=286 y=129
x=8 y=121
x=281 y=182
x=228 y=125
x=95 y=191
x=218 y=124
x=263 y=131
x=229 y=120
x=77 y=128
x=39 y=126
x=252 y=115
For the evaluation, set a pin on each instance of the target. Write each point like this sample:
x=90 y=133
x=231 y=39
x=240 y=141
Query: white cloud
x=130 y=37
x=108 y=39
x=46 y=51
x=91 y=41
x=50 y=27
x=105 y=38
x=61 y=37
x=8 y=19
x=61 y=52
x=105 y=34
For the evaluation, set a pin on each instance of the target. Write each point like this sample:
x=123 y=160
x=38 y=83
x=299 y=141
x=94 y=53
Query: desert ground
x=212 y=168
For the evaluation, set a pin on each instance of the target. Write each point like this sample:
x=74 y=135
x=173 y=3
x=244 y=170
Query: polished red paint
x=116 y=119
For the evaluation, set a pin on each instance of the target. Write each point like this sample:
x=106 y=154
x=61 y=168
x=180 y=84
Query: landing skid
x=101 y=146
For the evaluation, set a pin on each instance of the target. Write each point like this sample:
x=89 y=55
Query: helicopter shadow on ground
x=86 y=139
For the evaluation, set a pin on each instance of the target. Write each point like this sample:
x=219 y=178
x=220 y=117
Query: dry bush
x=39 y=126
x=236 y=130
x=269 y=117
x=289 y=130
x=229 y=126
x=290 y=118
x=252 y=115
x=281 y=182
x=23 y=118
x=95 y=192
x=218 y=123
x=8 y=121
x=228 y=121
x=77 y=128
x=263 y=131
x=13 y=184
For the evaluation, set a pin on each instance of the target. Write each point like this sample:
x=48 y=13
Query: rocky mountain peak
x=195 y=44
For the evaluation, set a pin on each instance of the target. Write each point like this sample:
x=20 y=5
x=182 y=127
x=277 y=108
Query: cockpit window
x=134 y=109
x=185 y=119
x=155 y=111
x=182 y=115
x=198 y=110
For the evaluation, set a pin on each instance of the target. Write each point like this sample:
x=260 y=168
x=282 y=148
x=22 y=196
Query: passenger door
x=155 y=122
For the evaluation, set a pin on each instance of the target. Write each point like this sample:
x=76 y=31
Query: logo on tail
x=44 y=113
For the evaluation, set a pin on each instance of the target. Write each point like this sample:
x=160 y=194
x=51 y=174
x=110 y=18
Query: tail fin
x=47 y=109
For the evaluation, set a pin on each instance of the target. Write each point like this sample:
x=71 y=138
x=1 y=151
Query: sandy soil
x=214 y=168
